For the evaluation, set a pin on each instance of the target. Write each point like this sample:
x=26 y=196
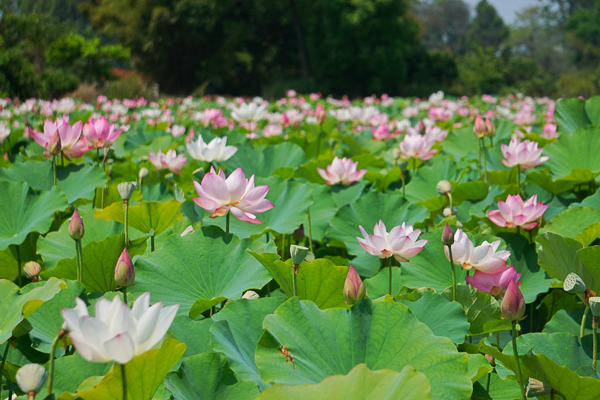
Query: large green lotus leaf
x=569 y=322
x=23 y=212
x=264 y=160
x=382 y=335
x=524 y=259
x=571 y=115
x=578 y=150
x=144 y=374
x=579 y=223
x=19 y=303
x=360 y=383
x=320 y=281
x=195 y=334
x=322 y=211
x=207 y=377
x=147 y=216
x=443 y=317
x=347 y=194
x=559 y=185
x=47 y=319
x=58 y=245
x=99 y=261
x=478 y=366
x=560 y=256
x=422 y=186
x=291 y=200
x=498 y=389
x=236 y=331
x=379 y=285
x=548 y=358
x=76 y=181
x=461 y=143
x=200 y=270
x=367 y=211
x=482 y=310
x=592 y=109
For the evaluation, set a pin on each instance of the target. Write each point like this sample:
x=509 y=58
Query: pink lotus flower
x=401 y=242
x=525 y=154
x=220 y=194
x=71 y=146
x=513 y=303
x=320 y=113
x=494 y=284
x=549 y=131
x=342 y=171
x=97 y=133
x=170 y=161
x=354 y=289
x=514 y=212
x=415 y=146
x=484 y=258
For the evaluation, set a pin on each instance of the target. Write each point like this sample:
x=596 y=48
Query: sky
x=507 y=8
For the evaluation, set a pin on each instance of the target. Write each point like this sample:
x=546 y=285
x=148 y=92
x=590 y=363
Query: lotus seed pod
x=298 y=253
x=447 y=235
x=250 y=295
x=126 y=190
x=574 y=284
x=535 y=388
x=32 y=270
x=443 y=187
x=76 y=228
x=595 y=306
x=31 y=377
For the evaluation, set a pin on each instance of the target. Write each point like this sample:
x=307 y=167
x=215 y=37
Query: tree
x=487 y=29
x=444 y=24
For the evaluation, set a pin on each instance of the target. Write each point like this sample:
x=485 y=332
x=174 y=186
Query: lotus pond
x=303 y=248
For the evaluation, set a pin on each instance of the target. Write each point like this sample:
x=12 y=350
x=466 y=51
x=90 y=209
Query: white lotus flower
x=247 y=112
x=31 y=377
x=117 y=332
x=216 y=150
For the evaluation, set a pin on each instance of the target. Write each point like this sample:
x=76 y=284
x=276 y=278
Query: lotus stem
x=453 y=269
x=124 y=380
x=227 y=217
x=295 y=279
x=2 y=365
x=152 y=243
x=126 y=204
x=79 y=251
x=484 y=160
x=519 y=180
x=62 y=158
x=98 y=154
x=310 y=244
x=516 y=353
x=388 y=262
x=582 y=327
x=19 y=265
x=57 y=339
x=479 y=159
x=124 y=290
x=531 y=318
x=54 y=168
x=498 y=338
x=403 y=186
x=595 y=341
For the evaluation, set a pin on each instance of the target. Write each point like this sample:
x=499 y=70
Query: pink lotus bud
x=447 y=235
x=76 y=228
x=479 y=129
x=513 y=304
x=354 y=289
x=124 y=271
x=496 y=283
x=54 y=145
x=491 y=128
x=320 y=113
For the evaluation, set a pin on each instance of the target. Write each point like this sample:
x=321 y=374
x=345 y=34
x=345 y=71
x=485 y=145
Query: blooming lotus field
x=304 y=248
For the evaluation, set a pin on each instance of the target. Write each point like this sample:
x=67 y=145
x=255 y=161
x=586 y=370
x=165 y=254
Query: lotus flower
x=342 y=171
x=354 y=289
x=524 y=154
x=247 y=112
x=69 y=137
x=117 y=333
x=415 y=146
x=220 y=194
x=216 y=150
x=513 y=303
x=484 y=258
x=4 y=131
x=98 y=133
x=170 y=161
x=494 y=284
x=401 y=242
x=514 y=212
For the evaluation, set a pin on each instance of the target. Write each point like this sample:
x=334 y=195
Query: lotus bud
x=76 y=228
x=299 y=233
x=143 y=173
x=574 y=284
x=491 y=360
x=447 y=212
x=479 y=129
x=124 y=271
x=354 y=289
x=447 y=235
x=491 y=128
x=298 y=253
x=250 y=295
x=31 y=378
x=54 y=145
x=535 y=388
x=320 y=113
x=443 y=187
x=126 y=190
x=513 y=303
x=187 y=231
x=32 y=271
x=595 y=306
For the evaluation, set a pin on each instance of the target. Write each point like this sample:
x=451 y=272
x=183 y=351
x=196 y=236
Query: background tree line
x=249 y=47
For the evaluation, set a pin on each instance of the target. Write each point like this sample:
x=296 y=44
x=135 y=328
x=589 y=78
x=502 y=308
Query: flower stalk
x=516 y=354
x=124 y=380
x=310 y=244
x=55 y=342
x=595 y=341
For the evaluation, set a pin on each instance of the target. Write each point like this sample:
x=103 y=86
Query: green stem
x=57 y=339
x=319 y=139
x=124 y=380
x=531 y=318
x=19 y=265
x=487 y=388
x=126 y=222
x=484 y=161
x=124 y=290
x=79 y=260
x=295 y=280
x=152 y=243
x=388 y=262
x=519 y=179
x=498 y=339
x=310 y=244
x=62 y=158
x=595 y=341
x=102 y=198
x=479 y=159
x=227 y=217
x=453 y=268
x=403 y=190
x=98 y=154
x=516 y=353
x=2 y=365
x=54 y=168
x=582 y=327
x=414 y=168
